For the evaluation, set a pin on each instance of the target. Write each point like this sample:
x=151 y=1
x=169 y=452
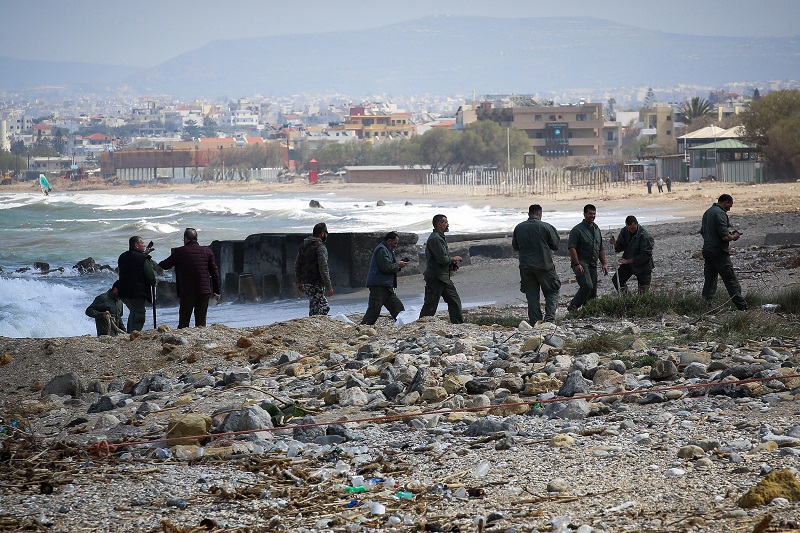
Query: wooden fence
x=522 y=182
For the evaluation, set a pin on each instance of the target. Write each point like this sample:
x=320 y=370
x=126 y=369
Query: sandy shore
x=685 y=200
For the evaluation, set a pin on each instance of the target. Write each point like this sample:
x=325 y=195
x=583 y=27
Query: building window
x=609 y=151
x=538 y=134
x=669 y=117
x=581 y=117
x=669 y=132
x=537 y=118
x=552 y=117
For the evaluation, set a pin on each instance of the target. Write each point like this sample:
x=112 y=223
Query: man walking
x=382 y=280
x=439 y=265
x=585 y=248
x=136 y=276
x=106 y=309
x=636 y=246
x=196 y=276
x=717 y=235
x=536 y=241
x=311 y=271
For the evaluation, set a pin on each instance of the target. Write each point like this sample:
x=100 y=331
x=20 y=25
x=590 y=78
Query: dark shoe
x=571 y=309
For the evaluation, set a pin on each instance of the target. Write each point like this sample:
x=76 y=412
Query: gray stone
x=617 y=366
x=291 y=357
x=353 y=396
x=574 y=384
x=392 y=389
x=251 y=417
x=236 y=375
x=488 y=426
x=695 y=370
x=106 y=421
x=663 y=369
x=558 y=485
x=147 y=407
x=308 y=434
x=68 y=384
x=571 y=410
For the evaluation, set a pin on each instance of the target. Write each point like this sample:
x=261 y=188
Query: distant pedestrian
x=196 y=277
x=717 y=235
x=311 y=271
x=439 y=266
x=536 y=241
x=649 y=187
x=669 y=184
x=382 y=280
x=660 y=184
x=636 y=246
x=106 y=309
x=585 y=249
x=136 y=278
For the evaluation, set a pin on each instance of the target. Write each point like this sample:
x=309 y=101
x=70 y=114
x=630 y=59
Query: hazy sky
x=148 y=32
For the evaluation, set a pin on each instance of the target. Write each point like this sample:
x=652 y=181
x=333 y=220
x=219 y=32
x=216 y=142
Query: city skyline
x=149 y=32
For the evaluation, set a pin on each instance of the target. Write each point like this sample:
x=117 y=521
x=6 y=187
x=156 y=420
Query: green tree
x=209 y=127
x=693 y=109
x=771 y=123
x=191 y=130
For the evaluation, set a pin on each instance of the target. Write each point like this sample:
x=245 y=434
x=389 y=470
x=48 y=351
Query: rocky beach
x=321 y=424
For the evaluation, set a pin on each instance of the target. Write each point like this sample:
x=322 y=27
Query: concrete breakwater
x=261 y=267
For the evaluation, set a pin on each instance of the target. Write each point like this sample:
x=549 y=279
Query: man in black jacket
x=106 y=309
x=197 y=278
x=136 y=276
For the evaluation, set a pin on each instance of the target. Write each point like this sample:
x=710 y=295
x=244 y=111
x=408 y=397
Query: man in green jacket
x=636 y=246
x=437 y=274
x=585 y=248
x=106 y=309
x=536 y=241
x=717 y=235
x=382 y=280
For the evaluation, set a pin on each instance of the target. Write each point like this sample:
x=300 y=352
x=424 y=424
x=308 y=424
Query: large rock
x=249 y=418
x=188 y=425
x=68 y=384
x=663 y=369
x=777 y=484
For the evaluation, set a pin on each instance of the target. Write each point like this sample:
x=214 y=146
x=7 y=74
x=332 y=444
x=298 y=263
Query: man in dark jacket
x=536 y=241
x=136 y=276
x=311 y=271
x=717 y=235
x=439 y=265
x=636 y=246
x=382 y=280
x=197 y=278
x=106 y=309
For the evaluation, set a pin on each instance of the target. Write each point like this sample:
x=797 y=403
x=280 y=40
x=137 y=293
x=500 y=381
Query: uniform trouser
x=317 y=303
x=380 y=296
x=721 y=265
x=587 y=285
x=624 y=273
x=136 y=313
x=533 y=280
x=197 y=303
x=435 y=289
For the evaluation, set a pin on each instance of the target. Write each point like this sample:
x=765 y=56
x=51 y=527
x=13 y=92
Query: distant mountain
x=25 y=74
x=447 y=55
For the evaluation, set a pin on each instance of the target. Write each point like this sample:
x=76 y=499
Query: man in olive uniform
x=437 y=274
x=536 y=241
x=585 y=248
x=636 y=246
x=382 y=280
x=311 y=272
x=106 y=309
x=717 y=235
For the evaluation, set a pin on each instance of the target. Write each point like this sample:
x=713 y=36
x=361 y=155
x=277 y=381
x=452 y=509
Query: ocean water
x=64 y=228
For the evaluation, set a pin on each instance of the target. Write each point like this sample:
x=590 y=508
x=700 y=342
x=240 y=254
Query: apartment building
x=558 y=131
x=375 y=125
x=657 y=123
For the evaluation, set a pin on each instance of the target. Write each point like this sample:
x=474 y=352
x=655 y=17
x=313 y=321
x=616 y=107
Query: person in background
x=106 y=309
x=636 y=246
x=585 y=248
x=536 y=241
x=382 y=280
x=136 y=278
x=439 y=266
x=311 y=272
x=196 y=276
x=669 y=184
x=717 y=235
x=649 y=186
x=660 y=184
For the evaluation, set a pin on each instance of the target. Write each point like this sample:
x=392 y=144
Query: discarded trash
x=620 y=507
x=176 y=502
x=377 y=508
x=482 y=469
x=355 y=490
x=403 y=495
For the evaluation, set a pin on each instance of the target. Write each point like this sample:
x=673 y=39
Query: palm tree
x=695 y=108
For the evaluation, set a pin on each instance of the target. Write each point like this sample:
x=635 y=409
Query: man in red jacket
x=197 y=278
